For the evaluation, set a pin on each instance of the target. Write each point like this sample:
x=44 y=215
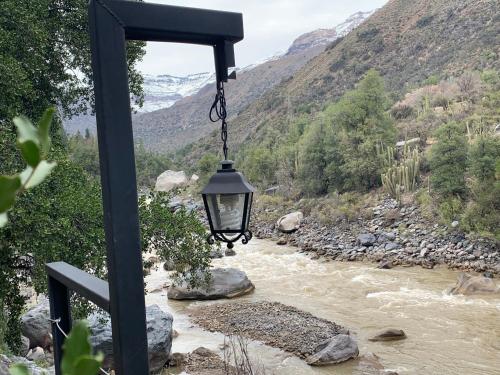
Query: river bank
x=446 y=334
x=387 y=234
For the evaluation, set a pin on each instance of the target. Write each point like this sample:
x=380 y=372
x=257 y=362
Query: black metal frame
x=111 y=23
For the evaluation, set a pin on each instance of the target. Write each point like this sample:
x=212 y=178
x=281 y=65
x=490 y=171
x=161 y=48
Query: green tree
x=178 y=238
x=448 y=161
x=483 y=211
x=358 y=125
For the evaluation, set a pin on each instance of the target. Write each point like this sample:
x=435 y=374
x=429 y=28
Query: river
x=446 y=334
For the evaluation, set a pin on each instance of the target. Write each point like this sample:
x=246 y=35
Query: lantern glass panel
x=226 y=211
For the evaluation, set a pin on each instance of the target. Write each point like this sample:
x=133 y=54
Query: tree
x=448 y=161
x=45 y=58
x=178 y=238
x=359 y=124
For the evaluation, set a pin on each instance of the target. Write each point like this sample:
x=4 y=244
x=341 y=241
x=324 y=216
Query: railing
x=64 y=278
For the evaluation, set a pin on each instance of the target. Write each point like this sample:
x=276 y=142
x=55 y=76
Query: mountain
x=406 y=41
x=323 y=37
x=187 y=120
x=162 y=91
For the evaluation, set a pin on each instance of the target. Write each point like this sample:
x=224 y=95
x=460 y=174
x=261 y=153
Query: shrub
x=450 y=209
x=402 y=111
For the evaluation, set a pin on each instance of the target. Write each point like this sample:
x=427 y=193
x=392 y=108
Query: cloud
x=270 y=26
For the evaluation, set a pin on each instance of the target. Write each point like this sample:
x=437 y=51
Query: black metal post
x=119 y=192
x=59 y=309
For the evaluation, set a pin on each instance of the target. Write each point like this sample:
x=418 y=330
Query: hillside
x=407 y=42
x=187 y=120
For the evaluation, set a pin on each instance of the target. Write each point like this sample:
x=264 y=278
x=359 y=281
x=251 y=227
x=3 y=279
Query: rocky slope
x=187 y=120
x=406 y=41
x=388 y=234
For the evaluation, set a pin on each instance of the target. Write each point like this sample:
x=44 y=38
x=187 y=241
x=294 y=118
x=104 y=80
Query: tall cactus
x=400 y=175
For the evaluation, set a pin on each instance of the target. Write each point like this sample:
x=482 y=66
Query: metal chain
x=56 y=322
x=218 y=112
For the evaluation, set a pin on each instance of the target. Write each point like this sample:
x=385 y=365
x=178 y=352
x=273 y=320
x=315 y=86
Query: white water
x=446 y=334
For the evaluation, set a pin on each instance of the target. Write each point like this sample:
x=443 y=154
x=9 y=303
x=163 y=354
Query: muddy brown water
x=446 y=334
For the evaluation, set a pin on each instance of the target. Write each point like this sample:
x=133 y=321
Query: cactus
x=400 y=176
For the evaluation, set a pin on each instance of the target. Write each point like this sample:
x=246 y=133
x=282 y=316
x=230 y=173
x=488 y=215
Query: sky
x=270 y=26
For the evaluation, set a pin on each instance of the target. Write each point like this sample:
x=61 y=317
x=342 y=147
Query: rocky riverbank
x=391 y=236
x=318 y=341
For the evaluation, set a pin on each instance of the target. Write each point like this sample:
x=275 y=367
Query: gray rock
x=454 y=224
x=159 y=330
x=169 y=180
x=390 y=334
x=391 y=246
x=215 y=254
x=290 y=223
x=230 y=252
x=467 y=285
x=35 y=325
x=25 y=345
x=225 y=283
x=33 y=368
x=36 y=354
x=336 y=350
x=385 y=265
x=366 y=239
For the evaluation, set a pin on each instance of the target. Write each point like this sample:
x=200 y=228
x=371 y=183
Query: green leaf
x=44 y=129
x=30 y=153
x=31 y=178
x=26 y=131
x=3 y=219
x=88 y=365
x=19 y=369
x=8 y=189
x=76 y=345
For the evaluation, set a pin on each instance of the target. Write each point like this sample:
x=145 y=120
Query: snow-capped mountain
x=164 y=90
x=325 y=36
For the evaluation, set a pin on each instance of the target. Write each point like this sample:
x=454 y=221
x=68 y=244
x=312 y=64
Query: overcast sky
x=270 y=26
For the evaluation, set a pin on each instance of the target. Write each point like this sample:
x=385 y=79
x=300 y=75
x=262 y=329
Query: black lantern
x=228 y=202
x=227 y=196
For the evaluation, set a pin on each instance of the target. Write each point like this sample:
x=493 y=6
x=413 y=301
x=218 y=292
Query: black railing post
x=59 y=310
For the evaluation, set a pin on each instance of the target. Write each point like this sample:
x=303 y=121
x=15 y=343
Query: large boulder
x=224 y=283
x=159 y=329
x=468 y=284
x=169 y=180
x=35 y=325
x=336 y=350
x=290 y=223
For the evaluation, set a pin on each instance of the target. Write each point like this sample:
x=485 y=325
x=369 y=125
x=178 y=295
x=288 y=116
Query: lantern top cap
x=227 y=181
x=226 y=166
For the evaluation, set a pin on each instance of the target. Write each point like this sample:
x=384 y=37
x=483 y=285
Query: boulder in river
x=290 y=223
x=336 y=350
x=390 y=334
x=468 y=284
x=159 y=330
x=224 y=283
x=169 y=180
x=35 y=325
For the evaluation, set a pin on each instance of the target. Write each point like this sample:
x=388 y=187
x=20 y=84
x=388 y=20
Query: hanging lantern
x=227 y=196
x=228 y=202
